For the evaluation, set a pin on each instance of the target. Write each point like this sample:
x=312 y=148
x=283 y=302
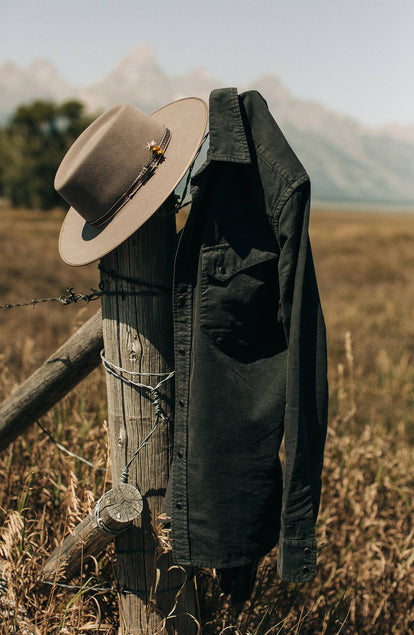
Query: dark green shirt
x=250 y=352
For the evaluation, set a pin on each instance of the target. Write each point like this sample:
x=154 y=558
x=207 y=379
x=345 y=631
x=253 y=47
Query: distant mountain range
x=346 y=160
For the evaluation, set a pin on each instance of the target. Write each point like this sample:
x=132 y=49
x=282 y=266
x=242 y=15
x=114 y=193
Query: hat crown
x=106 y=159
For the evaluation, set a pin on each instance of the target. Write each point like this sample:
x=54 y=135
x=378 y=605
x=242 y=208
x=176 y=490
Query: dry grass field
x=365 y=579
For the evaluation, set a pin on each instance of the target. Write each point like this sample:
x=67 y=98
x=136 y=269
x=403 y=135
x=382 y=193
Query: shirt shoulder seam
x=283 y=200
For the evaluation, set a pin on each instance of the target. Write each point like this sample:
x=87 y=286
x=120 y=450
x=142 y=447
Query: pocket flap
x=224 y=261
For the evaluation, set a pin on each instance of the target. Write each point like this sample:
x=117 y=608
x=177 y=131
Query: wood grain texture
x=138 y=337
x=65 y=368
x=116 y=510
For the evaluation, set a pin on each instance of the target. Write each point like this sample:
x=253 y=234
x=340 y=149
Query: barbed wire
x=70 y=298
x=62 y=448
x=160 y=417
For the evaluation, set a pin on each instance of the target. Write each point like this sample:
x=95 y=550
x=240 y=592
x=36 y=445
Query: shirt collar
x=227 y=135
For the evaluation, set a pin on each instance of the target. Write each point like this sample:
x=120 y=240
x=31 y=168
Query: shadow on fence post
x=138 y=338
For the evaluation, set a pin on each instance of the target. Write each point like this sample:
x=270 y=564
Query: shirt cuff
x=297 y=559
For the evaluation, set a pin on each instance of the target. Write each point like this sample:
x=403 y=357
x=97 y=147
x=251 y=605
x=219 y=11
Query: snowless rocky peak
x=272 y=88
x=137 y=79
x=42 y=70
x=141 y=55
x=138 y=63
x=345 y=160
x=40 y=80
x=11 y=76
x=195 y=83
x=9 y=67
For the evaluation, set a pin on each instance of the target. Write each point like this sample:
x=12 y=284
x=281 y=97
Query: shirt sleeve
x=305 y=419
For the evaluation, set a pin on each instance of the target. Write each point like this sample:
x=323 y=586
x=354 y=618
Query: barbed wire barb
x=70 y=298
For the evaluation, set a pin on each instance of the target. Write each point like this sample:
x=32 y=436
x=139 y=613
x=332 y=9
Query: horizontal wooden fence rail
x=65 y=368
x=113 y=514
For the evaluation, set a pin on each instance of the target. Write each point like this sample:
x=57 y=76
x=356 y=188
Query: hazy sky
x=356 y=56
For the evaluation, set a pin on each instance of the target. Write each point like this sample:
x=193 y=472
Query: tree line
x=32 y=145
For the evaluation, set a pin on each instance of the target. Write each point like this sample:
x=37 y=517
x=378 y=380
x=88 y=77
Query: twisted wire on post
x=137 y=281
x=117 y=371
x=158 y=415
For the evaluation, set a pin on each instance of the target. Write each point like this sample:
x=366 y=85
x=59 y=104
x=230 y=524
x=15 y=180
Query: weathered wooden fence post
x=138 y=338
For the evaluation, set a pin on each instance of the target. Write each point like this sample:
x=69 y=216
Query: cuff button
x=305 y=569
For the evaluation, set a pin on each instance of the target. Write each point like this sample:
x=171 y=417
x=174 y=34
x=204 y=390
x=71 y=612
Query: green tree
x=32 y=145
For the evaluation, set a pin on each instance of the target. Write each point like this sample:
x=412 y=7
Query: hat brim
x=81 y=244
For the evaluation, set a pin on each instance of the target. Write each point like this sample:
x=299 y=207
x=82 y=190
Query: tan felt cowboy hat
x=120 y=170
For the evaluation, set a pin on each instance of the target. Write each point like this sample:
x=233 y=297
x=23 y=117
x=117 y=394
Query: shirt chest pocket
x=239 y=300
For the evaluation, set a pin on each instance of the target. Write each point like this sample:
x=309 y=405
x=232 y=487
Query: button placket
x=182 y=334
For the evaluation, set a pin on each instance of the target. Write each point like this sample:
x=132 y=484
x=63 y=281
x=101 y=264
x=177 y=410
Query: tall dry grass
x=365 y=579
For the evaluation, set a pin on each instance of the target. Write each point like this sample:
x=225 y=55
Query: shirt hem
x=217 y=565
x=227 y=564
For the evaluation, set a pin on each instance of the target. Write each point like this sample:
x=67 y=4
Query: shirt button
x=305 y=569
x=307 y=551
x=179 y=505
x=181 y=300
x=180 y=454
x=181 y=350
x=182 y=403
x=222 y=270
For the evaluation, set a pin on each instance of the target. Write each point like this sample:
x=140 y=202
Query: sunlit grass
x=365 y=578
